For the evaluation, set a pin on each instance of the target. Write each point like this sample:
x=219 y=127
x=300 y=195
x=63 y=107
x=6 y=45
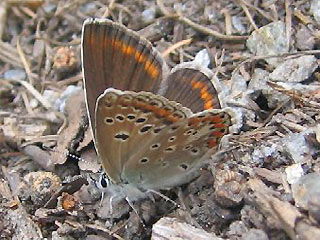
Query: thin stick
x=3 y=17
x=288 y=22
x=198 y=27
x=9 y=55
x=228 y=21
x=104 y=229
x=209 y=31
x=24 y=61
x=74 y=42
x=162 y=8
x=34 y=92
x=246 y=11
x=175 y=46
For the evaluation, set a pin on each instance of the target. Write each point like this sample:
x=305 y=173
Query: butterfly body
x=152 y=129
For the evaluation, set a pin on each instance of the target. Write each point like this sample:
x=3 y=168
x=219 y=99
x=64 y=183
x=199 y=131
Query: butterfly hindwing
x=182 y=148
x=127 y=121
x=193 y=87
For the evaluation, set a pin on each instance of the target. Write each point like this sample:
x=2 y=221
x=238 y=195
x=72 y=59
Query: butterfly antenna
x=67 y=154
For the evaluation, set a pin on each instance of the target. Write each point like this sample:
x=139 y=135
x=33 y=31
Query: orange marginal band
x=204 y=94
x=152 y=69
x=212 y=142
x=213 y=119
x=160 y=112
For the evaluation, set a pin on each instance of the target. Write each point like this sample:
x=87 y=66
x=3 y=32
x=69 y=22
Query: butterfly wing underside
x=145 y=130
x=146 y=140
x=116 y=57
x=184 y=146
x=191 y=86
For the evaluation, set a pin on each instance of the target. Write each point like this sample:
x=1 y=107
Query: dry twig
x=176 y=46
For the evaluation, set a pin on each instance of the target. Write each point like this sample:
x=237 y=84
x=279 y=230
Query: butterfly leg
x=102 y=197
x=163 y=196
x=111 y=204
x=135 y=210
x=151 y=197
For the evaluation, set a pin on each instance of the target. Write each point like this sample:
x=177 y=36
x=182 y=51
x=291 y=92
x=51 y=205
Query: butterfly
x=153 y=128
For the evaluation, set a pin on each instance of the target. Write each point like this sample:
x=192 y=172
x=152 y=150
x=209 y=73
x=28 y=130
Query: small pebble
x=202 y=58
x=89 y=8
x=238 y=24
x=294 y=173
x=51 y=96
x=305 y=39
x=315 y=10
x=149 y=14
x=295 y=70
x=15 y=74
x=307 y=190
x=60 y=103
x=269 y=40
x=296 y=146
x=49 y=7
x=254 y=234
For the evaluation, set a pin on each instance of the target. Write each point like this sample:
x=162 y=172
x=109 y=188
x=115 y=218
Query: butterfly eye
x=157 y=130
x=168 y=108
x=109 y=99
x=103 y=182
x=142 y=99
x=126 y=98
x=186 y=148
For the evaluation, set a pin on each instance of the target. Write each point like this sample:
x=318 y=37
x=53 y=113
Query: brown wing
x=192 y=87
x=116 y=57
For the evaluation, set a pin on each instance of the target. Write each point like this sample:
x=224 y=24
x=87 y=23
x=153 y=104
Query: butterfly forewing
x=115 y=57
